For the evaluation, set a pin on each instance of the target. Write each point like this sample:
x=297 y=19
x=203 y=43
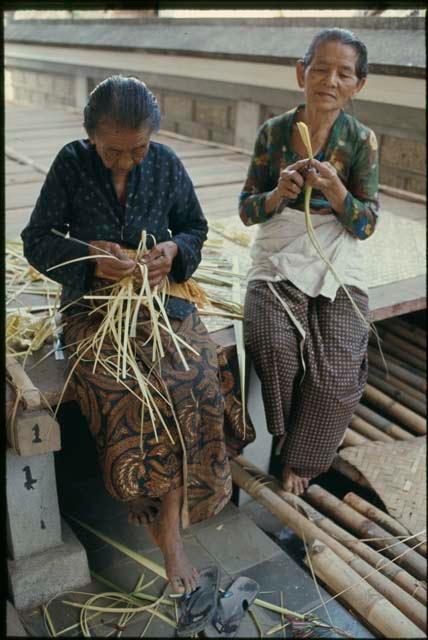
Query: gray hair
x=126 y=101
x=345 y=37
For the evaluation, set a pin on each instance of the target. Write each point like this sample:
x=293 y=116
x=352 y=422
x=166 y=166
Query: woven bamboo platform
x=397 y=472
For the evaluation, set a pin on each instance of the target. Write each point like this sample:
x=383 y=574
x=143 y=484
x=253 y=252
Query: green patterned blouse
x=351 y=148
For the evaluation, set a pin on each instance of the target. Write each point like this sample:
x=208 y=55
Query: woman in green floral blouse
x=307 y=343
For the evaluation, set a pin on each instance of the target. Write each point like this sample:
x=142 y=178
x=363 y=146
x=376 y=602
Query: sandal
x=231 y=608
x=198 y=608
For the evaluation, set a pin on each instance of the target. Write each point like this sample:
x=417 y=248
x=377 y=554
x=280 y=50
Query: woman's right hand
x=291 y=181
x=114 y=268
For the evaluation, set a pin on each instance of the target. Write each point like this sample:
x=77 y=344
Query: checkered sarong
x=311 y=411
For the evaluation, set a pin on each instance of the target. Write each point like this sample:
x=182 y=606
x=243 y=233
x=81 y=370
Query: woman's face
x=119 y=148
x=330 y=80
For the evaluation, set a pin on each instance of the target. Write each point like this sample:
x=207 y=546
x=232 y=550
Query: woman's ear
x=360 y=84
x=300 y=74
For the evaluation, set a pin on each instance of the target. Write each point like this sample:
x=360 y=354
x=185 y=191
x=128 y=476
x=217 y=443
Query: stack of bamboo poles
x=360 y=561
x=394 y=404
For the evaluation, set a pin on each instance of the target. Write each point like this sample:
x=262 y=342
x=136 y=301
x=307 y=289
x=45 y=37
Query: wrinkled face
x=330 y=80
x=120 y=149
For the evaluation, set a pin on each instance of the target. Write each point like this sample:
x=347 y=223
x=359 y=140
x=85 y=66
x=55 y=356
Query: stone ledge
x=35 y=579
x=233 y=39
x=14 y=626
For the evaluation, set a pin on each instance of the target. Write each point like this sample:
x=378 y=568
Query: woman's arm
x=259 y=198
x=53 y=209
x=361 y=204
x=355 y=207
x=188 y=226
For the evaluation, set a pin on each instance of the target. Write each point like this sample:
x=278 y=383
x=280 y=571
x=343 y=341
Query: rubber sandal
x=232 y=606
x=197 y=609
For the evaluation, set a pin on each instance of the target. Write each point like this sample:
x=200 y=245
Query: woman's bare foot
x=293 y=483
x=143 y=510
x=165 y=531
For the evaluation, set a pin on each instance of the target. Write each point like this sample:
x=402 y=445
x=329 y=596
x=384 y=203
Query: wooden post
x=348 y=517
x=394 y=573
x=383 y=519
x=396 y=367
x=399 y=384
x=397 y=394
x=308 y=531
x=378 y=612
x=403 y=355
x=415 y=423
x=406 y=346
x=368 y=430
x=408 y=332
x=393 y=430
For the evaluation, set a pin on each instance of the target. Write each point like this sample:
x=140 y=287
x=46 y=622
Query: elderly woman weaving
x=307 y=341
x=106 y=190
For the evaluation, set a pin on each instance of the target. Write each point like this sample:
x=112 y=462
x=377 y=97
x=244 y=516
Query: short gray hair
x=126 y=101
x=345 y=37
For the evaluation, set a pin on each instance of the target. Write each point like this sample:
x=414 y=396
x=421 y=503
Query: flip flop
x=198 y=608
x=232 y=606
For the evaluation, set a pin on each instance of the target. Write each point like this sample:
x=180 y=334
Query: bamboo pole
x=415 y=423
x=401 y=354
x=393 y=572
x=396 y=367
x=398 y=383
x=381 y=518
x=397 y=394
x=349 y=518
x=308 y=531
x=353 y=439
x=415 y=608
x=377 y=611
x=407 y=331
x=393 y=430
x=350 y=472
x=368 y=430
x=405 y=345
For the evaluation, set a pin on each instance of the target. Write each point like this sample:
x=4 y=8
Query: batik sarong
x=206 y=401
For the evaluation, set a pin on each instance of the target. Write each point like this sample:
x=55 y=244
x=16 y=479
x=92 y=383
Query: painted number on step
x=29 y=480
x=36 y=430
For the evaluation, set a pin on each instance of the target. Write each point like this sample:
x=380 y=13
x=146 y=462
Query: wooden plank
x=65 y=133
x=22 y=195
x=397 y=298
x=23 y=178
x=411 y=210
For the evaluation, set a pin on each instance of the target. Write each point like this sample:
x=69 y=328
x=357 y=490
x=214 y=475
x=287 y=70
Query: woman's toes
x=177 y=585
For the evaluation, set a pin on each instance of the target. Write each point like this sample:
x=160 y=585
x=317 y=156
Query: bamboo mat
x=397 y=472
x=399 y=241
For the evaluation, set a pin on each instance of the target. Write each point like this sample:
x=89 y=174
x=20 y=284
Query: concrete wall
x=224 y=96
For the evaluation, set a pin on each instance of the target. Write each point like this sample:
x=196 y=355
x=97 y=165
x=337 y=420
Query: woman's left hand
x=323 y=176
x=159 y=261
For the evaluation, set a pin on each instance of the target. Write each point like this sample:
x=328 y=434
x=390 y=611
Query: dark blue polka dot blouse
x=78 y=196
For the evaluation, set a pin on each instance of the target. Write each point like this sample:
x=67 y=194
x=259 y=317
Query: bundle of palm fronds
x=27 y=332
x=119 y=305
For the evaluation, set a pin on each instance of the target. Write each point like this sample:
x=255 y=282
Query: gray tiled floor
x=245 y=541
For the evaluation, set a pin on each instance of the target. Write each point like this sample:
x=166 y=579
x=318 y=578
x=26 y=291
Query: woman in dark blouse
x=105 y=190
x=307 y=343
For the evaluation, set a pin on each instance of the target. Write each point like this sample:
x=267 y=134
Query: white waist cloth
x=282 y=250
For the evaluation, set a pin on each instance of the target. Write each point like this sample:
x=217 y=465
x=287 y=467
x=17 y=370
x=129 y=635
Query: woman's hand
x=159 y=261
x=291 y=181
x=114 y=268
x=323 y=176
